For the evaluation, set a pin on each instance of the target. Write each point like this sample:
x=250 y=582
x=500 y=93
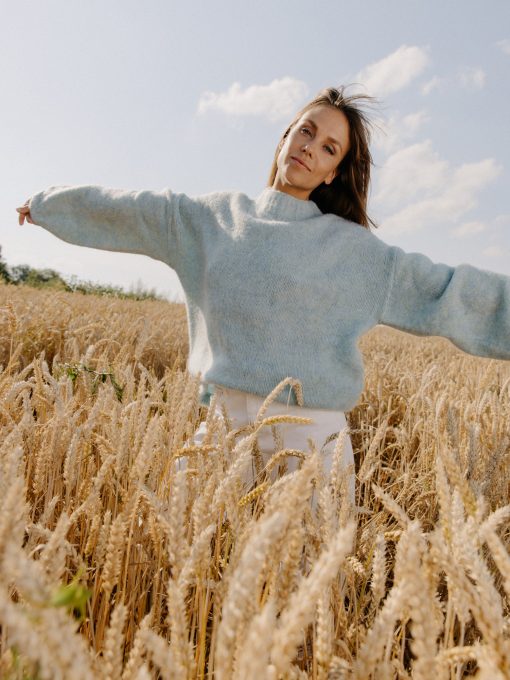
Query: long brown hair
x=347 y=195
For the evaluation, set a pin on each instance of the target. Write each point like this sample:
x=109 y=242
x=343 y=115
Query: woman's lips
x=294 y=158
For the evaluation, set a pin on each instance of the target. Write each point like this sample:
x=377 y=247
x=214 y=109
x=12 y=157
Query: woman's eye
x=307 y=131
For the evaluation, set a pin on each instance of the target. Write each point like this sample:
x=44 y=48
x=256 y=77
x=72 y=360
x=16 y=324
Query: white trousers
x=242 y=408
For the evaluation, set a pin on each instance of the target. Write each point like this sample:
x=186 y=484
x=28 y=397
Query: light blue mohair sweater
x=275 y=288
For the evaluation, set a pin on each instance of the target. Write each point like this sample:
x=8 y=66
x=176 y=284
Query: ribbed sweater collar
x=281 y=206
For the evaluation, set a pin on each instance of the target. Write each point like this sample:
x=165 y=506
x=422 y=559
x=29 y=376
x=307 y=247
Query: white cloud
x=416 y=170
x=432 y=84
x=276 y=101
x=496 y=251
x=390 y=134
x=456 y=195
x=470 y=175
x=502 y=220
x=504 y=45
x=395 y=71
x=472 y=78
x=468 y=228
x=413 y=121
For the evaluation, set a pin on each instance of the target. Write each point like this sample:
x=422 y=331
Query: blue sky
x=194 y=96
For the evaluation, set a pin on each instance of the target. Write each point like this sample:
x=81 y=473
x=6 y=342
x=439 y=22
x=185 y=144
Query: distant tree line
x=22 y=274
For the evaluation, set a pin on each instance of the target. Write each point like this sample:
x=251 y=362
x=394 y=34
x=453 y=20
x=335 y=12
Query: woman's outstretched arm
x=146 y=222
x=469 y=306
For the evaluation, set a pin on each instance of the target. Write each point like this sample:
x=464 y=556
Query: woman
x=285 y=284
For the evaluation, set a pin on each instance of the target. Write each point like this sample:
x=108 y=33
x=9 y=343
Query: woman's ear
x=331 y=176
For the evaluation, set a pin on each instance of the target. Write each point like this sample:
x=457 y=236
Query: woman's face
x=312 y=151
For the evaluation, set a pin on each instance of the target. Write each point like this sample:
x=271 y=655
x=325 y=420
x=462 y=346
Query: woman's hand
x=24 y=214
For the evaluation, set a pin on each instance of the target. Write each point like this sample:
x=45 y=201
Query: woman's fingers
x=21 y=216
x=24 y=213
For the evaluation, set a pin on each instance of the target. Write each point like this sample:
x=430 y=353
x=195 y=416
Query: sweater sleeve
x=469 y=306
x=159 y=224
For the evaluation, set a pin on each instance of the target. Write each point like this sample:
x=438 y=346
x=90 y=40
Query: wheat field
x=115 y=565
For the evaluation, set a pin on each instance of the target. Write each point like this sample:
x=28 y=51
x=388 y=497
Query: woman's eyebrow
x=331 y=139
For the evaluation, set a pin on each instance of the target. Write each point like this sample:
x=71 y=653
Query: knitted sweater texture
x=276 y=288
